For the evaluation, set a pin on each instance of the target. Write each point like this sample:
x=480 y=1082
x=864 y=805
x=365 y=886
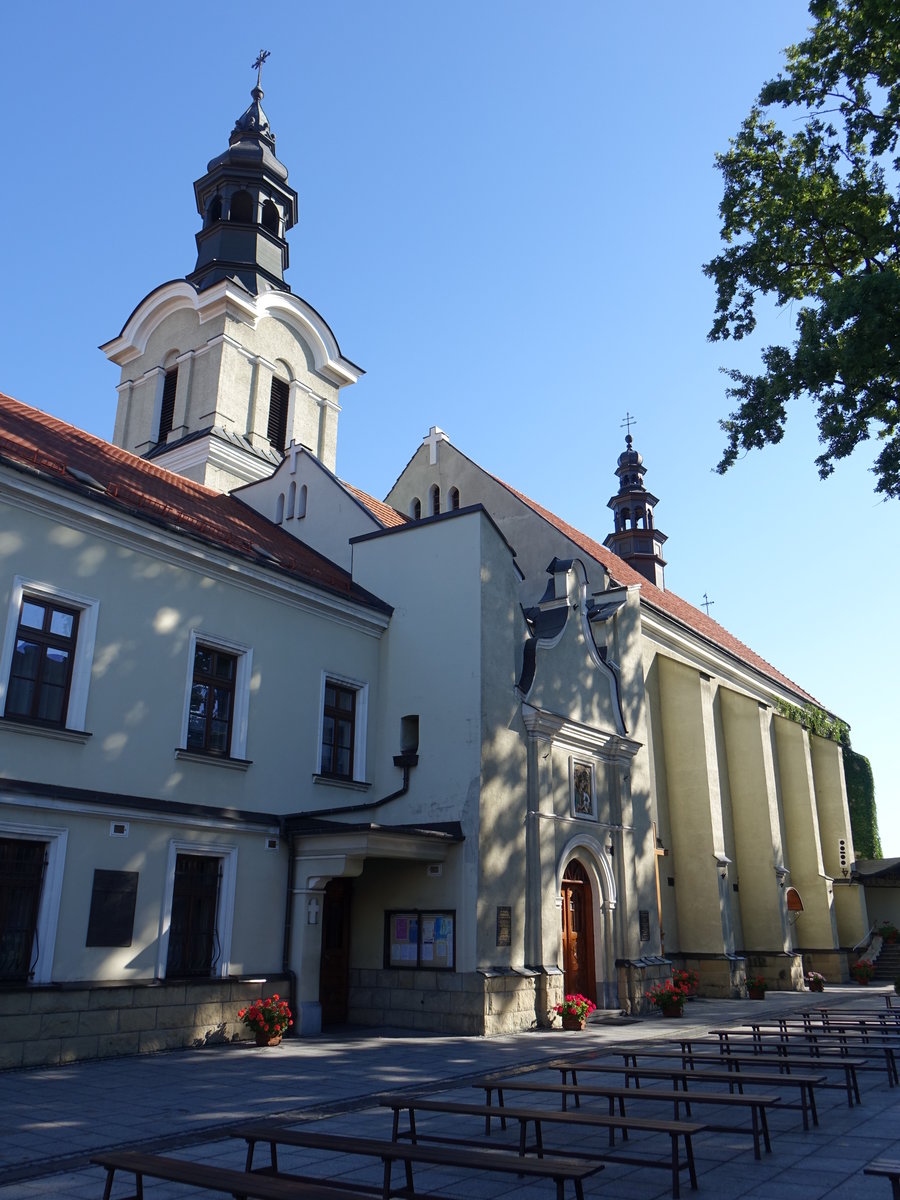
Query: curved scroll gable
x=565 y=595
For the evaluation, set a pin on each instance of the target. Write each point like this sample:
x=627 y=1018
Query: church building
x=226 y=772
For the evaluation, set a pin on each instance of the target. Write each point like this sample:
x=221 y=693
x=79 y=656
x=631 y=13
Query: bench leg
x=764 y=1122
x=689 y=1151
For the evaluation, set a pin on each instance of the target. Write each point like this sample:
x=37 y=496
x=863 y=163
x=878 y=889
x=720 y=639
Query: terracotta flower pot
x=817 y=987
x=571 y=1021
x=757 y=993
x=268 y=1039
x=672 y=1010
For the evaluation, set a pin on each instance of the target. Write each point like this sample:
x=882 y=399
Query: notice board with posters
x=420 y=939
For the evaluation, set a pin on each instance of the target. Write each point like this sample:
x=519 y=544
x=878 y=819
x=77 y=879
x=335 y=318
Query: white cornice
x=573 y=734
x=215 y=452
x=134 y=813
x=704 y=656
x=42 y=499
x=225 y=298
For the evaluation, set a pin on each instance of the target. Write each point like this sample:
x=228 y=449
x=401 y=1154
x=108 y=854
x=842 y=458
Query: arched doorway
x=578 y=931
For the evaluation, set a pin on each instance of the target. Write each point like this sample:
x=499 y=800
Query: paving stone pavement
x=183 y=1103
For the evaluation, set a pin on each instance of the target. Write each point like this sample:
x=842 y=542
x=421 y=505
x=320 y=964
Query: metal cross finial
x=257 y=66
x=707 y=602
x=628 y=422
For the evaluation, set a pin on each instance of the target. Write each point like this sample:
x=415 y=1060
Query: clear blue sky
x=504 y=209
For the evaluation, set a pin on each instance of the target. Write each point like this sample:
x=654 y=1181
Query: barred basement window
x=167 y=408
x=278 y=410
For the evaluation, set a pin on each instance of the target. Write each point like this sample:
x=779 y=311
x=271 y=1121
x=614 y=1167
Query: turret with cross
x=635 y=537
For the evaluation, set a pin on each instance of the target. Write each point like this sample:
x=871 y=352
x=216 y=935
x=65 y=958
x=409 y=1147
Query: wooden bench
x=888 y=1167
x=616 y=1096
x=559 y=1169
x=806 y=1083
x=240 y=1184
x=777 y=1057
x=817 y=1041
x=673 y=1129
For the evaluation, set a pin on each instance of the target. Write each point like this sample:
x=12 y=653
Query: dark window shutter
x=167 y=410
x=278 y=408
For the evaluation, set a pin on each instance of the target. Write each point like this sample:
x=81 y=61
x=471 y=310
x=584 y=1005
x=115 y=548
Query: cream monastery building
x=224 y=771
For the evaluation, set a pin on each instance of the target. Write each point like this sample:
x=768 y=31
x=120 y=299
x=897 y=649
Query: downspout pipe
x=405 y=761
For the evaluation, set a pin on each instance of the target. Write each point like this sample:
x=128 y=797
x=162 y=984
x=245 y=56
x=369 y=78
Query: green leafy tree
x=810 y=217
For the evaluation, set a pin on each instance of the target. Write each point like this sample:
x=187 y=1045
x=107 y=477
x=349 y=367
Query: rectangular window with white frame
x=217 y=699
x=342 y=728
x=198 y=913
x=46 y=655
x=32 y=859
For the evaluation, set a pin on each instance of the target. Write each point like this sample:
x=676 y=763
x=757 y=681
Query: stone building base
x=478 y=1002
x=47 y=1026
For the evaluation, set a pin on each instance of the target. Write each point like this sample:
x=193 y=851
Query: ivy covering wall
x=861 y=801
x=857 y=773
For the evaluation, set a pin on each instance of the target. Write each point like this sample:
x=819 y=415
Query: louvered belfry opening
x=167 y=408
x=278 y=410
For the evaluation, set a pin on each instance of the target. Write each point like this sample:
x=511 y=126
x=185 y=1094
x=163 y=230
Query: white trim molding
x=224 y=904
x=51 y=889
x=241 y=714
x=86 y=638
x=360 y=722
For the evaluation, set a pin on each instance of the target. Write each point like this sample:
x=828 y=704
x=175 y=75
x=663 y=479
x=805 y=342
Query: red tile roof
x=387 y=516
x=666 y=602
x=53 y=449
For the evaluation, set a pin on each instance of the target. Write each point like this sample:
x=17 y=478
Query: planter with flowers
x=268 y=1018
x=688 y=981
x=863 y=971
x=815 y=981
x=668 y=997
x=888 y=931
x=756 y=987
x=575 y=1010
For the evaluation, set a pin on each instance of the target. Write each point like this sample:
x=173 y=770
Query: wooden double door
x=578 y=931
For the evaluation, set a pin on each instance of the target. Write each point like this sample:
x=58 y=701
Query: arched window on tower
x=270 y=217
x=415 y=509
x=167 y=407
x=214 y=212
x=242 y=208
x=454 y=499
x=279 y=508
x=292 y=500
x=276 y=430
x=435 y=500
x=301 y=506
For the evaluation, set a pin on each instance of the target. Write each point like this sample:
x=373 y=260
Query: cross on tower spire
x=627 y=423
x=257 y=66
